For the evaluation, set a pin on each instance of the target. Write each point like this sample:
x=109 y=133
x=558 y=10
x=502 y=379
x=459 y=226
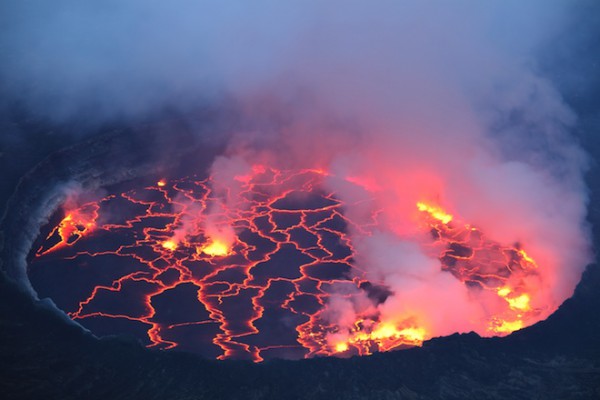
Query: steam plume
x=411 y=102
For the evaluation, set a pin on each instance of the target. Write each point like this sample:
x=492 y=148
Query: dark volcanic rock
x=43 y=357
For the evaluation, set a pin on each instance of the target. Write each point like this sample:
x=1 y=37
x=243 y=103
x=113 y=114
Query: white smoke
x=436 y=101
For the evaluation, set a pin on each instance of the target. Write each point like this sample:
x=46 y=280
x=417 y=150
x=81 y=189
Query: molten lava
x=169 y=245
x=215 y=248
x=153 y=267
x=435 y=212
x=75 y=225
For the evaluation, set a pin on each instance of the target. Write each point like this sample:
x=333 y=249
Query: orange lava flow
x=75 y=225
x=254 y=276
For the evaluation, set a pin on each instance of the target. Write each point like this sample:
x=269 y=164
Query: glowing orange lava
x=436 y=212
x=75 y=225
x=169 y=245
x=215 y=248
x=267 y=290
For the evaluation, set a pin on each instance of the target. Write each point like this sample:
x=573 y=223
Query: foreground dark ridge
x=44 y=357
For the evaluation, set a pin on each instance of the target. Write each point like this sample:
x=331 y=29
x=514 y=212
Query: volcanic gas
x=274 y=266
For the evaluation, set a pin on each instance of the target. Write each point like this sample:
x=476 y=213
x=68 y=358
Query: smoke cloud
x=400 y=102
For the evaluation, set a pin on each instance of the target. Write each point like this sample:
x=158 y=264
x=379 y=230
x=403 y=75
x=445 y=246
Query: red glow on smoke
x=269 y=265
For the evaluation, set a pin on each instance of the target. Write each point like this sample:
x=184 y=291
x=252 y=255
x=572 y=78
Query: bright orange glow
x=75 y=225
x=409 y=335
x=216 y=248
x=384 y=331
x=341 y=347
x=169 y=245
x=262 y=249
x=436 y=212
x=385 y=336
x=520 y=303
x=504 y=327
x=516 y=302
x=528 y=259
x=416 y=335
